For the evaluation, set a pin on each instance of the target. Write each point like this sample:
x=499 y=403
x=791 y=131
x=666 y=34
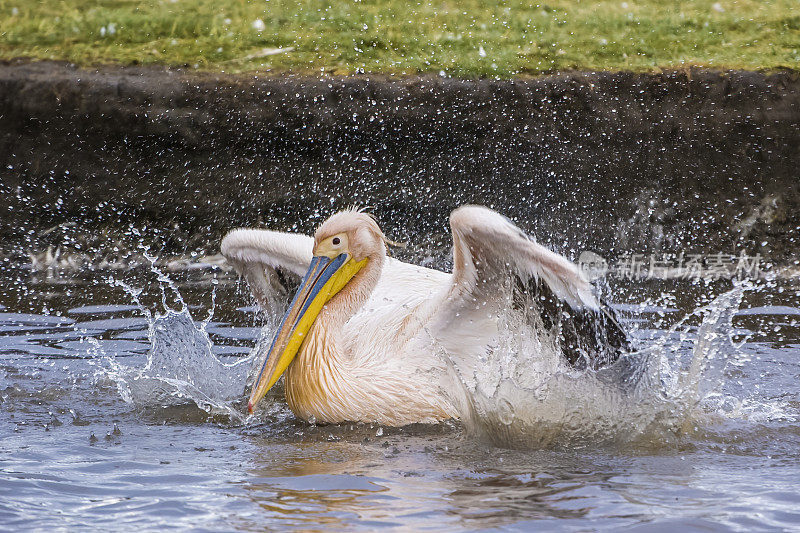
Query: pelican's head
x=343 y=245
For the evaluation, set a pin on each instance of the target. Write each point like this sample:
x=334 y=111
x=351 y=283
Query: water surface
x=80 y=448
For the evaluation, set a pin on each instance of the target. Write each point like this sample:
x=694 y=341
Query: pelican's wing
x=492 y=257
x=272 y=262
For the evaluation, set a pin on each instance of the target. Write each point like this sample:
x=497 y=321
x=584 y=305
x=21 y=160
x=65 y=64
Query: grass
x=461 y=38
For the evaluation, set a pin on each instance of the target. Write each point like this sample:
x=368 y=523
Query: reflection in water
x=416 y=481
x=508 y=498
x=320 y=485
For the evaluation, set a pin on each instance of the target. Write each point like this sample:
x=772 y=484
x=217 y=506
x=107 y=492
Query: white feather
x=389 y=361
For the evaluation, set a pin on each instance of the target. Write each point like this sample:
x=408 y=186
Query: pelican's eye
x=332 y=246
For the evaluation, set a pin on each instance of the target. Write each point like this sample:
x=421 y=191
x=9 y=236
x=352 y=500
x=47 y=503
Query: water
x=117 y=414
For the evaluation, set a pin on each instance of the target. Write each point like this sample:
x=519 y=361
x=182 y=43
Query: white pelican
x=367 y=337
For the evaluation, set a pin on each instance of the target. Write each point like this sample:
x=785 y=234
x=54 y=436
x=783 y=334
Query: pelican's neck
x=353 y=296
x=317 y=377
x=311 y=374
x=324 y=384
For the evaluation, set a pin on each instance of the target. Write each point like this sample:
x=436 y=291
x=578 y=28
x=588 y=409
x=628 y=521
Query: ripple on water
x=171 y=464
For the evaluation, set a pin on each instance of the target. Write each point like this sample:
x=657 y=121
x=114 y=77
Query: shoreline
x=695 y=160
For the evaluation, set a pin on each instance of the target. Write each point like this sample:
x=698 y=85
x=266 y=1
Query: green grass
x=462 y=38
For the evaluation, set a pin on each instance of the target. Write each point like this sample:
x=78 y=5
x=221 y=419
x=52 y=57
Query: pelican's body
x=372 y=367
x=368 y=338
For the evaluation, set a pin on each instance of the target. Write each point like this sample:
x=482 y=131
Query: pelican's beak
x=325 y=277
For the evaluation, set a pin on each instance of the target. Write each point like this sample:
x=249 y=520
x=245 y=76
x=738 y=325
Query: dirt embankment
x=612 y=162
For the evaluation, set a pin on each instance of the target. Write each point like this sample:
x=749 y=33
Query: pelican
x=367 y=338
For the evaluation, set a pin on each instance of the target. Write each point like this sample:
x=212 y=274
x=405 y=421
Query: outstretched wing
x=272 y=262
x=492 y=257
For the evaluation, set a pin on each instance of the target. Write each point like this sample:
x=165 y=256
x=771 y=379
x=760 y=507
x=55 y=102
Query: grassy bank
x=462 y=38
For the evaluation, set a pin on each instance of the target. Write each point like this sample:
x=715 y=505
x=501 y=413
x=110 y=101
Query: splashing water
x=515 y=397
x=181 y=366
x=649 y=397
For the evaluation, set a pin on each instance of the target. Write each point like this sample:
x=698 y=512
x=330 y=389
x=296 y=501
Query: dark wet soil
x=694 y=160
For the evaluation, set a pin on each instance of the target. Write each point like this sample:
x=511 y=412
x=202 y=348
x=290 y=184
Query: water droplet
x=505 y=412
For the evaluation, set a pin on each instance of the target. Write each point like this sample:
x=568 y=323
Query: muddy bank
x=699 y=161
